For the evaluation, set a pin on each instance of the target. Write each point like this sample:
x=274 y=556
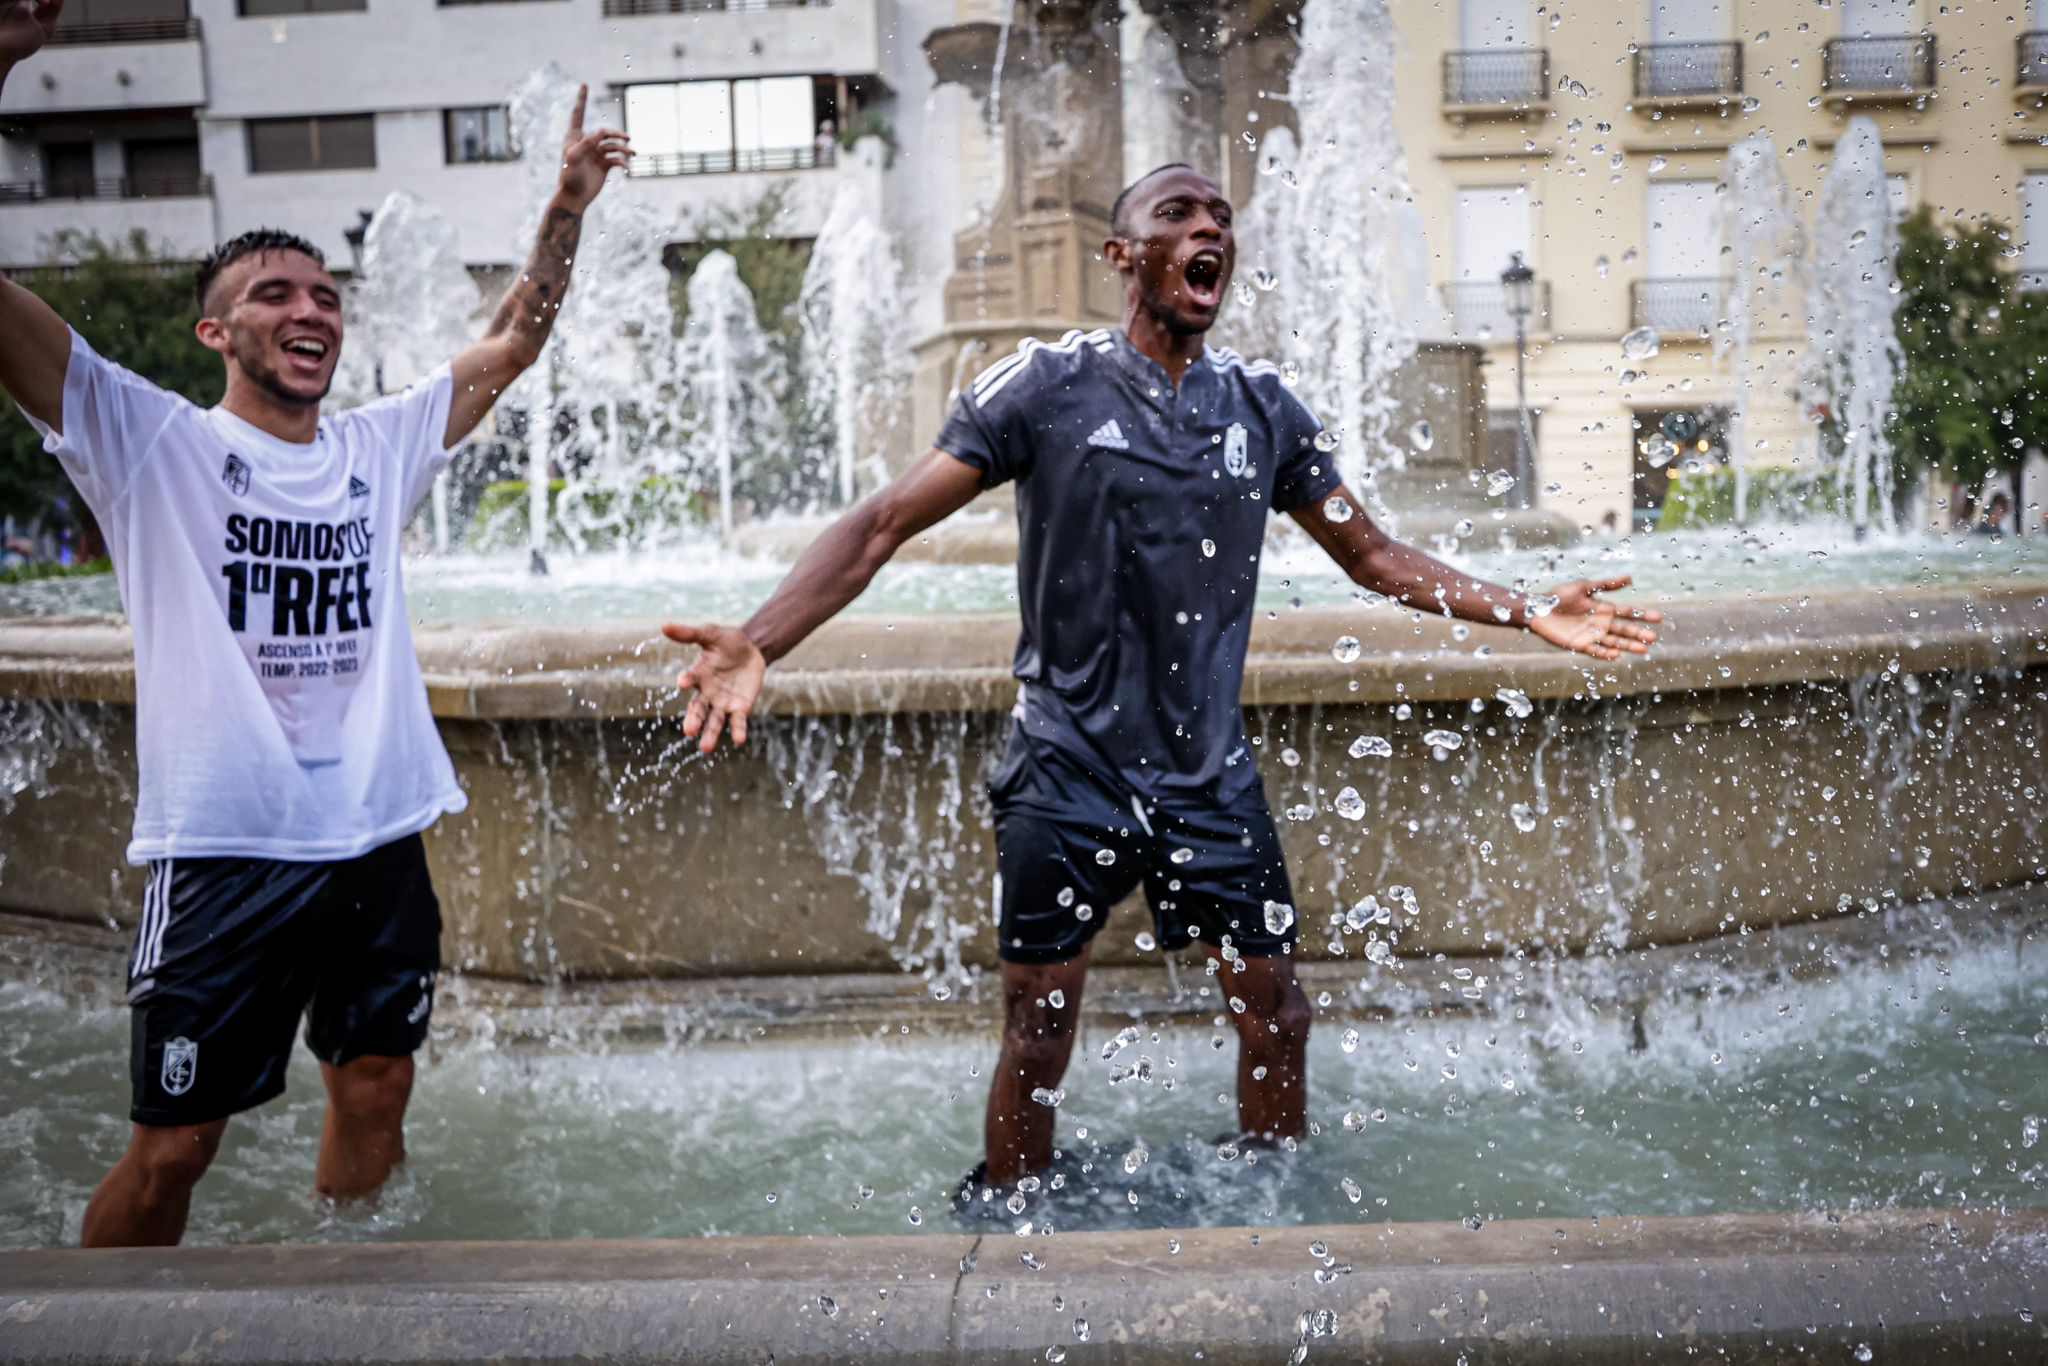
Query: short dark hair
x=253 y=243
x=1116 y=210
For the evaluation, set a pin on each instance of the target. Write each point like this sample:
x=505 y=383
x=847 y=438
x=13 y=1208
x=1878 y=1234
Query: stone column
x=1033 y=267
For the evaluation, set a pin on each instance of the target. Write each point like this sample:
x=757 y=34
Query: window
x=82 y=13
x=267 y=9
x=333 y=142
x=161 y=166
x=2034 y=229
x=67 y=170
x=1490 y=226
x=483 y=134
x=1681 y=290
x=1493 y=23
x=768 y=124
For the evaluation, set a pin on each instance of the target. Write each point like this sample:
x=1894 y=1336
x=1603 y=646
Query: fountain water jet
x=414 y=306
x=855 y=352
x=1853 y=358
x=732 y=382
x=1765 y=241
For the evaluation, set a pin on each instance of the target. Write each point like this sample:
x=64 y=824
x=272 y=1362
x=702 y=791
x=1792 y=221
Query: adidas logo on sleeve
x=1110 y=435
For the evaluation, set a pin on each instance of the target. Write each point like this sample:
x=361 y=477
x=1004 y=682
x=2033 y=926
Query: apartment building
x=1593 y=139
x=197 y=119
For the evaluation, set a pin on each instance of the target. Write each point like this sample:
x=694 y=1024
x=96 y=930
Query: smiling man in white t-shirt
x=288 y=760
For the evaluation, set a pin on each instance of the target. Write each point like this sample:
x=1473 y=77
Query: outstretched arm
x=527 y=314
x=1572 y=616
x=35 y=345
x=832 y=573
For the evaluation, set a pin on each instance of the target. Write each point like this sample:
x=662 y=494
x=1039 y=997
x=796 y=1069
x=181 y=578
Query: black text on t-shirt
x=331 y=594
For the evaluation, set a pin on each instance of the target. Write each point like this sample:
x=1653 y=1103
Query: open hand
x=587 y=158
x=25 y=26
x=727 y=676
x=1587 y=623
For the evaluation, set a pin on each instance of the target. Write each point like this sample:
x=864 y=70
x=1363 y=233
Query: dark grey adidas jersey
x=1141 y=517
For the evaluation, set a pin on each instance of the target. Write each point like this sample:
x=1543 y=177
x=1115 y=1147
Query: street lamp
x=1518 y=288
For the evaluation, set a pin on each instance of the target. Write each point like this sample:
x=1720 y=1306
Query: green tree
x=135 y=306
x=1973 y=396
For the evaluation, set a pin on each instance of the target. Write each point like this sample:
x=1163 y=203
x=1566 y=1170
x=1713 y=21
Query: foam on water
x=1908 y=1079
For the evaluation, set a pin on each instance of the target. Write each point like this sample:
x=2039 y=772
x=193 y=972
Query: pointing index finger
x=576 y=114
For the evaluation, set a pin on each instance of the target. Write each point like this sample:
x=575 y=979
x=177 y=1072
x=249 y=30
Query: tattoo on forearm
x=531 y=305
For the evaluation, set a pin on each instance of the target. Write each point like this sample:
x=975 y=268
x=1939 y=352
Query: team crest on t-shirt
x=1234 y=450
x=235 y=474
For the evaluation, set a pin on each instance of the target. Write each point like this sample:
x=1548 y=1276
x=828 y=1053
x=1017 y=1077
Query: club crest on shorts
x=181 y=1065
x=1234 y=450
x=235 y=474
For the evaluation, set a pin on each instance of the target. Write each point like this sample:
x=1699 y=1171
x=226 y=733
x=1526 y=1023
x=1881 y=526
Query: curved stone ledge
x=504 y=671
x=1911 y=1286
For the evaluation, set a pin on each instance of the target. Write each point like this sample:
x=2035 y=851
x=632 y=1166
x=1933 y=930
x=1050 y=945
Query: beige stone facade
x=1592 y=137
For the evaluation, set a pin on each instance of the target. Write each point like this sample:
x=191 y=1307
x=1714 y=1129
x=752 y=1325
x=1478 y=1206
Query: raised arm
x=35 y=344
x=1572 y=616
x=527 y=314
x=832 y=573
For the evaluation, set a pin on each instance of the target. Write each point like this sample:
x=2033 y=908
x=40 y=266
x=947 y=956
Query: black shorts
x=232 y=951
x=1208 y=870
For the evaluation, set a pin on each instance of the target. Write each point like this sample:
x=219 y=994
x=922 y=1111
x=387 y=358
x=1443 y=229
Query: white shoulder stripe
x=992 y=380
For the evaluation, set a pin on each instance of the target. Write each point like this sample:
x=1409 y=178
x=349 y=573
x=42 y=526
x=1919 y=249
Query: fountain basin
x=1771 y=762
x=1894 y=1286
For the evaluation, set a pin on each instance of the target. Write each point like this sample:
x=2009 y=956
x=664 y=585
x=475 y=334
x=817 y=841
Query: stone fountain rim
x=510 y=670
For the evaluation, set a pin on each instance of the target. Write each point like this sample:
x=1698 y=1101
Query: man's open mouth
x=307 y=353
x=1204 y=276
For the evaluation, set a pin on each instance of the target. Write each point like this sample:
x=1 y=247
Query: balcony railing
x=1676 y=307
x=127 y=31
x=1676 y=71
x=615 y=9
x=724 y=163
x=2032 y=64
x=112 y=187
x=1901 y=64
x=1479 y=308
x=1496 y=77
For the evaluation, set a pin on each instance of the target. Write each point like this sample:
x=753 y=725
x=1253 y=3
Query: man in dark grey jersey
x=1146 y=466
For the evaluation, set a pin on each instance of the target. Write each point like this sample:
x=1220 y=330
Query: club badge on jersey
x=1235 y=458
x=181 y=1066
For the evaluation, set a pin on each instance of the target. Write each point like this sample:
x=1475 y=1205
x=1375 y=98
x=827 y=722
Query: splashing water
x=1766 y=242
x=1853 y=358
x=733 y=382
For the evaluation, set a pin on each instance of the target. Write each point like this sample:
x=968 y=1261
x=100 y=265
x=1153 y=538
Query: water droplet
x=1290 y=373
x=1600 y=266
x=1066 y=896
x=1056 y=998
x=1105 y=857
x=1351 y=1189
x=1265 y=279
x=916 y=1216
x=941 y=992
x=1863 y=1352
x=1515 y=700
x=1208 y=549
x=1641 y=343
x=1326 y=441
x=1422 y=436
x=828 y=1306
x=1443 y=739
x=1145 y=942
x=1279 y=915
x=1350 y=805
x=1136 y=1158
x=1371 y=747
x=1245 y=295
x=1048 y=1097
x=1354 y=1121
x=1348 y=1041
x=1658 y=163
x=1660 y=451
x=1499 y=482
x=1054 y=1354
x=1346 y=650
x=1081 y=1330
x=1290 y=756
x=2030 y=1131
x=1524 y=817
x=1336 y=509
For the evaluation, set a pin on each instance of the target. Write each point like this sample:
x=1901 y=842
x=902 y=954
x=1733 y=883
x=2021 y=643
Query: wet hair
x=1116 y=210
x=258 y=242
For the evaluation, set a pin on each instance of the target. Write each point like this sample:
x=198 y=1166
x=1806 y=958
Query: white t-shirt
x=279 y=709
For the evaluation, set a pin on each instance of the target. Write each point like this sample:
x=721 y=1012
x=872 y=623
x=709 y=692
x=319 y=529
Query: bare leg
x=1038 y=1038
x=1272 y=1036
x=364 y=1136
x=143 y=1201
